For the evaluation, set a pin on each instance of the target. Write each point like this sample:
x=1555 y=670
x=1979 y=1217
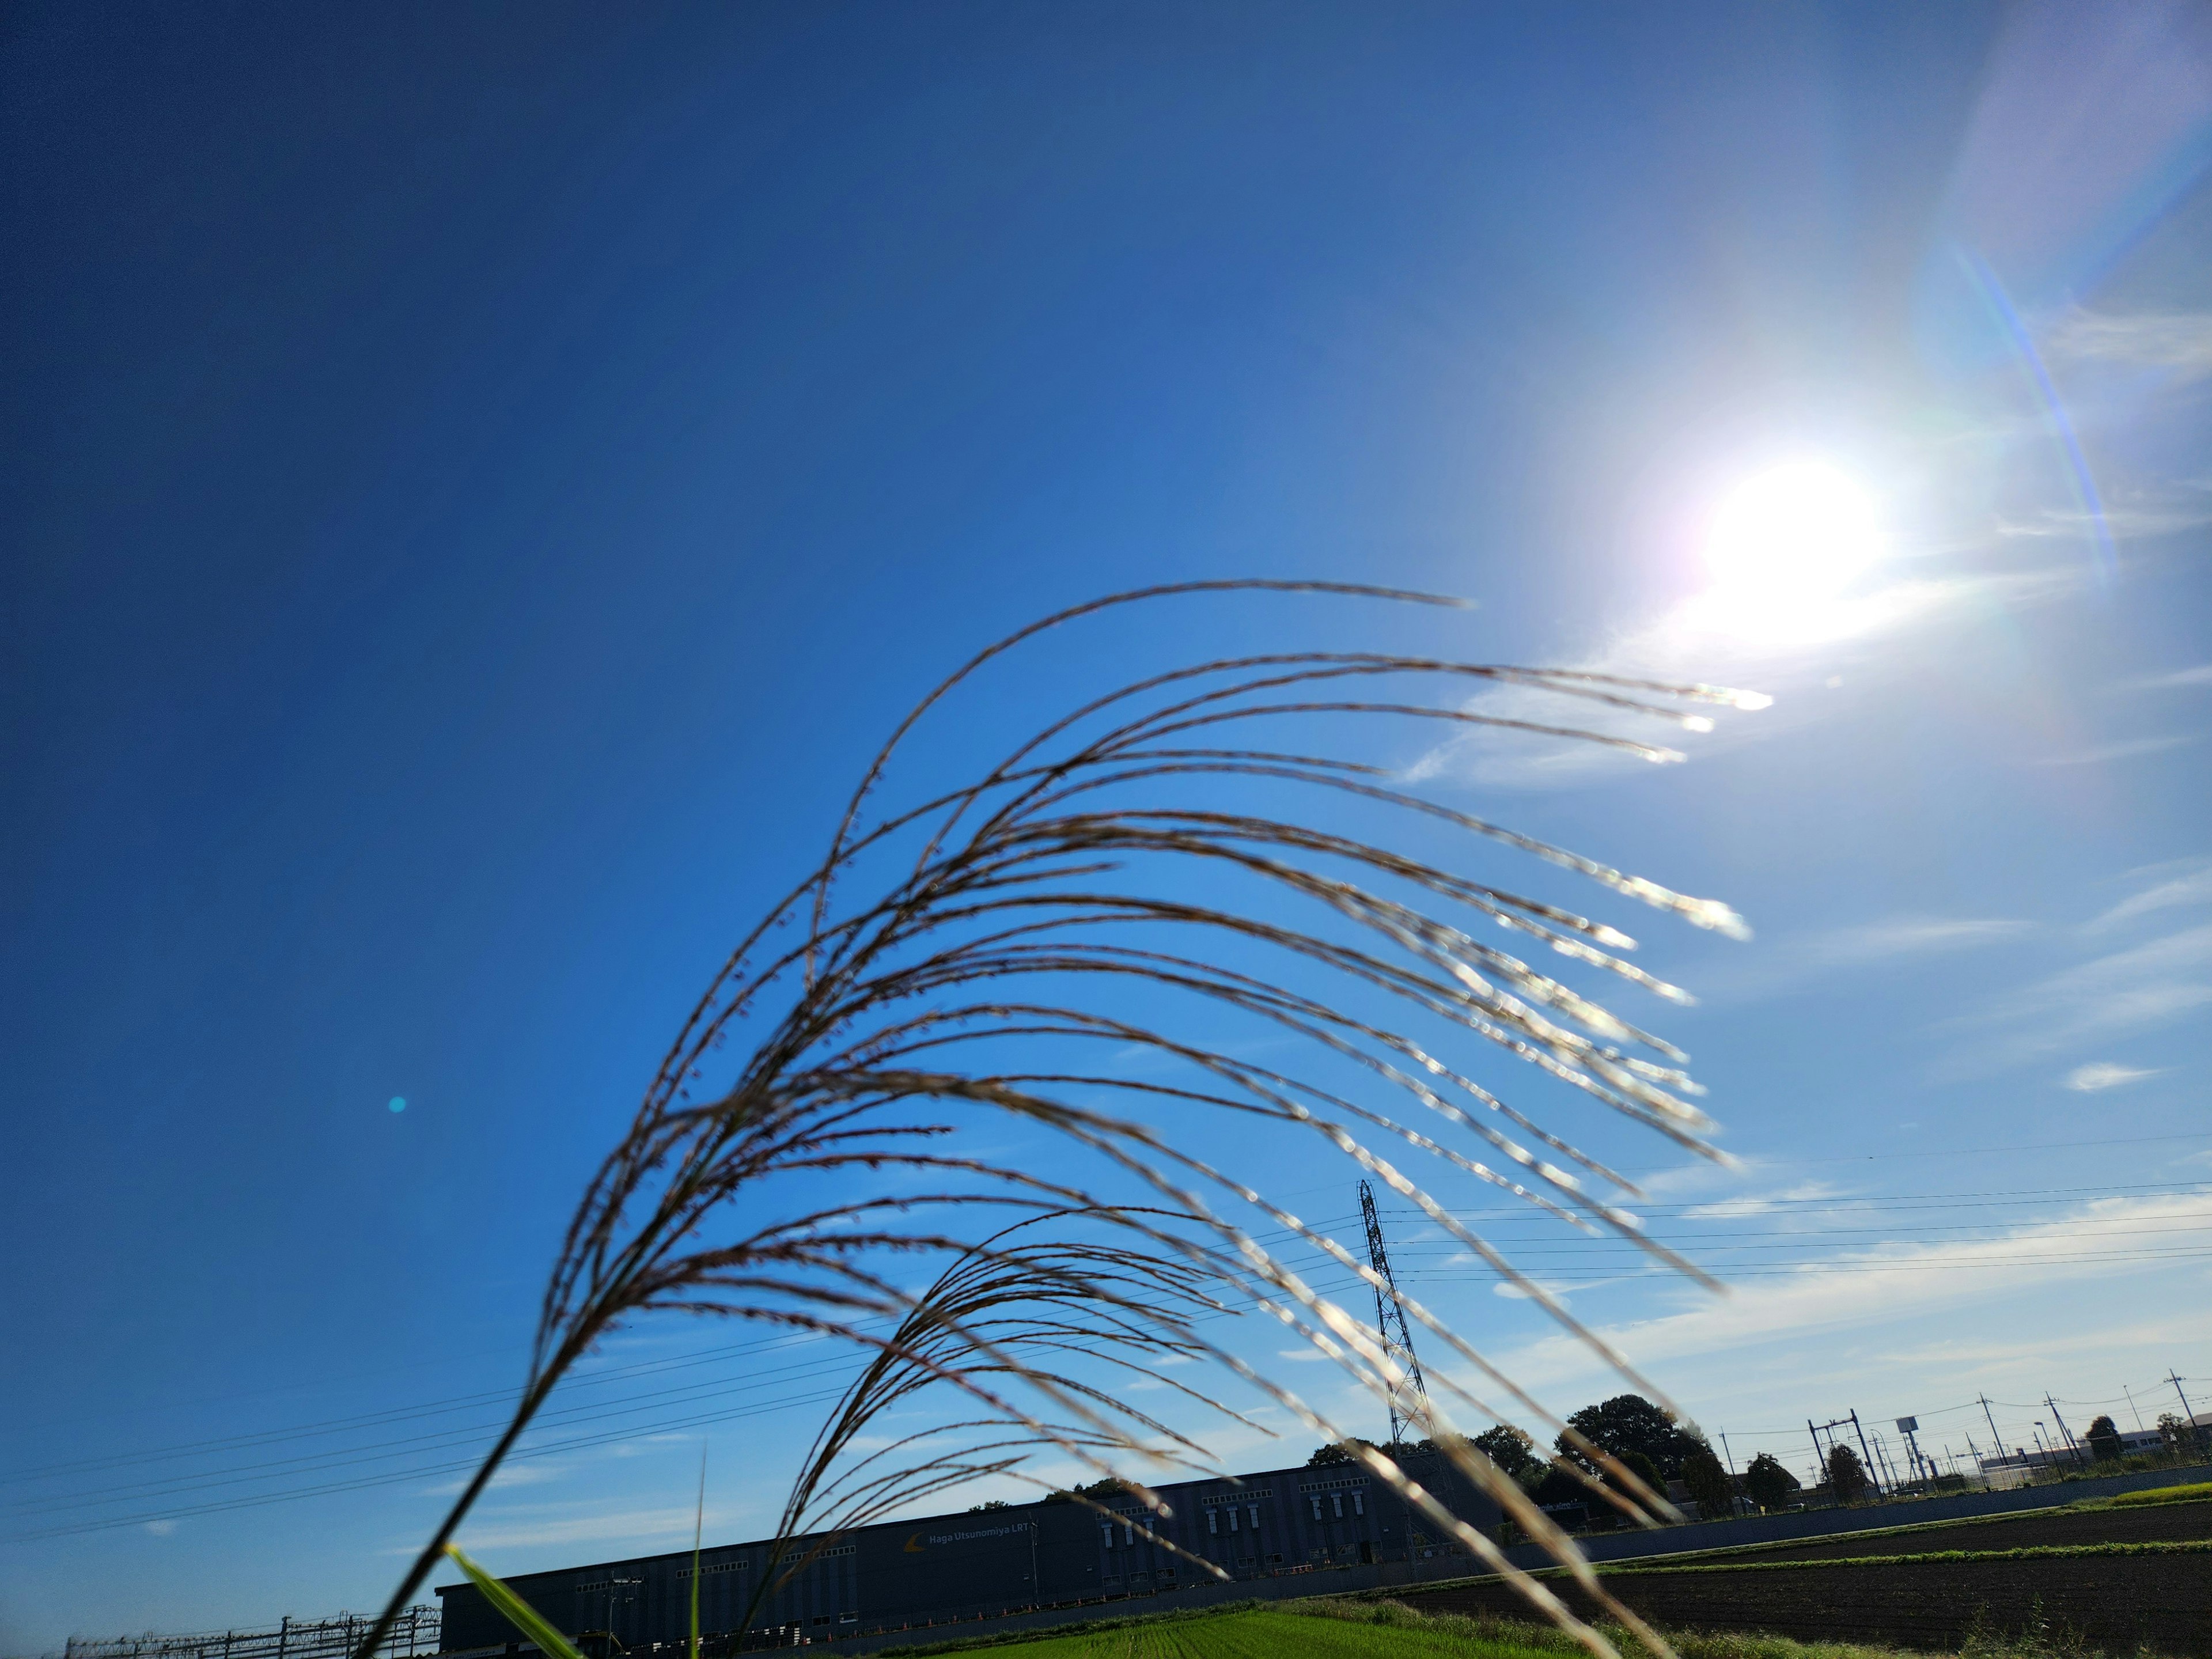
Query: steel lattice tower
x=1390 y=1321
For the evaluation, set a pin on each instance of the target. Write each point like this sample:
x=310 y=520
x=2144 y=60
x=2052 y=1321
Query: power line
x=430 y=1408
x=467 y=1465
x=377 y=1451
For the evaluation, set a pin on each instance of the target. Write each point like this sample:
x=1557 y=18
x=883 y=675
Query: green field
x=2189 y=1494
x=1266 y=1633
x=1355 y=1629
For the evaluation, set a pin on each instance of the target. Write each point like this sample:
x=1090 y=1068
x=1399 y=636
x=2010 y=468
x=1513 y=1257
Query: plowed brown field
x=2116 y=1603
x=2158 y=1525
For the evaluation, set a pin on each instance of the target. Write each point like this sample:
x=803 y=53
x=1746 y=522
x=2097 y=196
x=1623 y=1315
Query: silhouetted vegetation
x=1099 y=896
x=1847 y=1476
x=1767 y=1483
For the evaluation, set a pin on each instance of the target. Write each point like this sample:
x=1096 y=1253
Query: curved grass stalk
x=1096 y=868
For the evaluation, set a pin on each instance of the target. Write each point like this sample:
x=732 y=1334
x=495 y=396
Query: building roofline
x=1309 y=1471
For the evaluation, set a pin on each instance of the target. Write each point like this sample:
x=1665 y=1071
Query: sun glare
x=1784 y=549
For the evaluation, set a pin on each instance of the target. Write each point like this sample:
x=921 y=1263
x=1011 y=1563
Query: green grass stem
x=516 y=1611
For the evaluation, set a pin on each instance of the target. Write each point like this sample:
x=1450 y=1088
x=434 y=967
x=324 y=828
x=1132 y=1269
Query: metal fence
x=415 y=1633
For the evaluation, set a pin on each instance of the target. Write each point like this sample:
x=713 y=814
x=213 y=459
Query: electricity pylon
x=1390 y=1321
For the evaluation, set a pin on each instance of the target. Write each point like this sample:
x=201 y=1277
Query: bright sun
x=1786 y=547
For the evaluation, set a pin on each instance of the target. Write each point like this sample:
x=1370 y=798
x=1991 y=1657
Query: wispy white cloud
x=1699 y=1175
x=2127 y=750
x=1884 y=1285
x=1791 y=964
x=2186 y=679
x=160 y=1528
x=1885 y=941
x=2192 y=885
x=2178 y=341
x=2103 y=1074
x=1689 y=644
x=525 y=1531
x=506 y=1477
x=2168 y=513
x=2126 y=991
x=1762 y=1204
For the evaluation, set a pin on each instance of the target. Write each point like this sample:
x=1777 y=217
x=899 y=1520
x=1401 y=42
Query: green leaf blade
x=517 y=1612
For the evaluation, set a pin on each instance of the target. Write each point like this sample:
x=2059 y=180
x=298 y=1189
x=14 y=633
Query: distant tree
x=1767 y=1483
x=1422 y=1448
x=2105 y=1440
x=1847 y=1476
x=989 y=1504
x=1507 y=1447
x=2182 y=1439
x=1644 y=1470
x=1341 y=1451
x=1630 y=1422
x=1097 y=1492
x=1550 y=1485
x=1708 y=1484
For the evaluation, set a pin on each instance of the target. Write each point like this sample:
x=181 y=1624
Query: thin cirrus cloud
x=1684 y=644
x=2102 y=1074
x=2164 y=509
x=1805 y=1192
x=1886 y=1286
x=1795 y=963
x=2185 y=679
x=2127 y=750
x=2178 y=342
x=2190 y=883
x=1674 y=649
x=2130 y=990
x=525 y=1529
x=514 y=1474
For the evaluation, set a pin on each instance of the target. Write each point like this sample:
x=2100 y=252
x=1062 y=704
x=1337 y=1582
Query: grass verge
x=2188 y=1494
x=1348 y=1628
x=1926 y=1558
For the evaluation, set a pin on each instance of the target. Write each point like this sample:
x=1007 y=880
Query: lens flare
x=1784 y=549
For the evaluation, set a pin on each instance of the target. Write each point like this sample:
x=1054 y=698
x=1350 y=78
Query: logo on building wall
x=915 y=1546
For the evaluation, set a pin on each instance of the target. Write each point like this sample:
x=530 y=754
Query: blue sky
x=483 y=481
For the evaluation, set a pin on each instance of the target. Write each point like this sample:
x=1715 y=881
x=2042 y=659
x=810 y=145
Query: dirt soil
x=2119 y=1603
x=2156 y=1524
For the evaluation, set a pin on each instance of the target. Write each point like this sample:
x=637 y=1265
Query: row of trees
x=1650 y=1441
x=1640 y=1434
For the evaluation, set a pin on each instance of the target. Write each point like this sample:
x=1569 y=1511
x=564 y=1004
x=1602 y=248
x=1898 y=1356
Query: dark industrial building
x=906 y=1574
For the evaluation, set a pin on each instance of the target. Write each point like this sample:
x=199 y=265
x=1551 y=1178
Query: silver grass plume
x=1068 y=883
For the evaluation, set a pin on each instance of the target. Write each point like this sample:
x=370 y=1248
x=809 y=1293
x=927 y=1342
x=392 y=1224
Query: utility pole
x=2132 y=1407
x=2072 y=1444
x=1390 y=1324
x=1908 y=1426
x=1861 y=1432
x=2188 y=1416
x=1995 y=1439
x=1888 y=1468
x=1734 y=1503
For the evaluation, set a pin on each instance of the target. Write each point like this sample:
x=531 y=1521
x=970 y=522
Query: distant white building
x=2020 y=1466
